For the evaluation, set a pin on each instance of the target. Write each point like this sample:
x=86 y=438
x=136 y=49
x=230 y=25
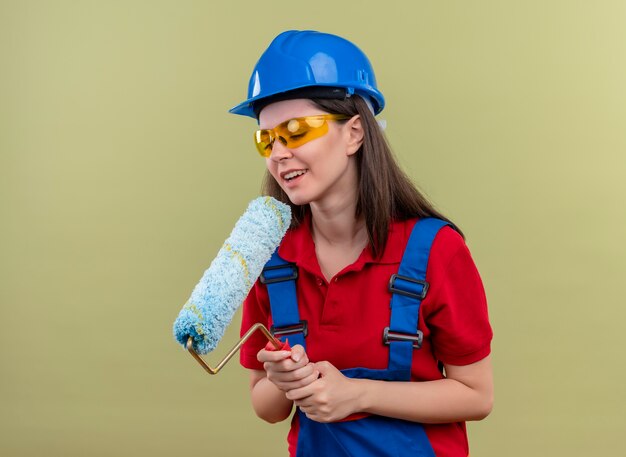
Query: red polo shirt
x=351 y=310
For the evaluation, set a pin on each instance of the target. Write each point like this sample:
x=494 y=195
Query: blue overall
x=372 y=435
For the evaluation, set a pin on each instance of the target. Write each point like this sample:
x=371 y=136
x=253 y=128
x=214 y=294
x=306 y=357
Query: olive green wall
x=121 y=173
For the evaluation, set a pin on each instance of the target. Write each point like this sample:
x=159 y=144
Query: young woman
x=381 y=363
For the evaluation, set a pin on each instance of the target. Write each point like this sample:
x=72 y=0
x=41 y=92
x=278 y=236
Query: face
x=320 y=171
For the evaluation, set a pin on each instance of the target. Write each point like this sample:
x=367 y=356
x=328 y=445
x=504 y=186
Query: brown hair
x=385 y=192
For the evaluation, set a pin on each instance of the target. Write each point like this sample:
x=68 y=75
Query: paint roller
x=202 y=321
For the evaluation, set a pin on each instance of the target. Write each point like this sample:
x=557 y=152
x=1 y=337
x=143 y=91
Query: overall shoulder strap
x=408 y=288
x=280 y=278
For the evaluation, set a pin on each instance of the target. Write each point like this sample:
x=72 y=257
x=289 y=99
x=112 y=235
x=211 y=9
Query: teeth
x=293 y=174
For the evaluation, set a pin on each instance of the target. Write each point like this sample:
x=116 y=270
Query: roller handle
x=273 y=344
x=270 y=346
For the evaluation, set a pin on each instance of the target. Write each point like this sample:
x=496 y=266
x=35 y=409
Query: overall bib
x=374 y=436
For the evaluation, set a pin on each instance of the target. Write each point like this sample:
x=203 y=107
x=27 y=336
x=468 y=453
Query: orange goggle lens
x=294 y=132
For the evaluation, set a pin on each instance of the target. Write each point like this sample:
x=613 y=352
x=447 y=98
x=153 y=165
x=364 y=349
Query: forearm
x=270 y=403
x=433 y=402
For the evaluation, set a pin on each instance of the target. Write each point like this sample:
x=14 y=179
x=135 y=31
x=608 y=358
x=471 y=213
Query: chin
x=298 y=198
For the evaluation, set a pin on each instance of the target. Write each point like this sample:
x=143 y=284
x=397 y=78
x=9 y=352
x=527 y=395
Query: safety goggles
x=293 y=133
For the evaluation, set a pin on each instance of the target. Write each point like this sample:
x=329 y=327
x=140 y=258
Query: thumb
x=297 y=353
x=325 y=368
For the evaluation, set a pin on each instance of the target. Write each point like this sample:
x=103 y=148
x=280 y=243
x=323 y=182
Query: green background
x=121 y=174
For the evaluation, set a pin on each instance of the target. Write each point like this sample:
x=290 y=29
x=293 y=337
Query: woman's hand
x=330 y=398
x=288 y=370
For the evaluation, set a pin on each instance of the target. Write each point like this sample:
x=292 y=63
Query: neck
x=335 y=223
x=339 y=237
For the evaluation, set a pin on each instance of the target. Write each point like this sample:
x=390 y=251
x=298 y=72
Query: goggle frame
x=295 y=132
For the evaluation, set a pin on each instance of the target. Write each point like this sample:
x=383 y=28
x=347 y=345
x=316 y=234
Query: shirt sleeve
x=458 y=319
x=255 y=309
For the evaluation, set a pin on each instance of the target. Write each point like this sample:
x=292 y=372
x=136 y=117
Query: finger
x=272 y=356
x=277 y=368
x=301 y=382
x=288 y=375
x=298 y=354
x=304 y=361
x=301 y=392
x=304 y=404
x=286 y=366
x=325 y=367
x=289 y=365
x=301 y=373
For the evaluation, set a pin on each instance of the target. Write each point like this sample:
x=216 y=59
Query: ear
x=355 y=133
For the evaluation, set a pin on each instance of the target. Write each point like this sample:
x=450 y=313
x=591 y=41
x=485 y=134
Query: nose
x=280 y=151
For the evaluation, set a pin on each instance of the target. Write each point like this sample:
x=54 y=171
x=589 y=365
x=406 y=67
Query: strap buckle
x=275 y=276
x=301 y=327
x=390 y=335
x=410 y=290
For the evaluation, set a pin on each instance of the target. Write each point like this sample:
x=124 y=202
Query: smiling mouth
x=293 y=174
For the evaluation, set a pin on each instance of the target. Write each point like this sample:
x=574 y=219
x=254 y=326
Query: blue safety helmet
x=309 y=64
